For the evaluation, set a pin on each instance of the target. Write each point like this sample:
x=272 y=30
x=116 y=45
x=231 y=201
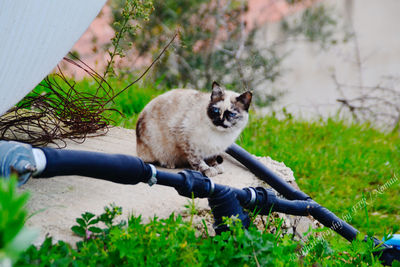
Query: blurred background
x=304 y=58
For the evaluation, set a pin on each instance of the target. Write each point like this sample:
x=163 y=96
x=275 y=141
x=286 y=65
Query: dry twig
x=63 y=111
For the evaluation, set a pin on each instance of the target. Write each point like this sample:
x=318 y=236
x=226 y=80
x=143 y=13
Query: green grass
x=337 y=164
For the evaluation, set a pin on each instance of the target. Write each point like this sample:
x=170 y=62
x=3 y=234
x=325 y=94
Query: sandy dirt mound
x=57 y=202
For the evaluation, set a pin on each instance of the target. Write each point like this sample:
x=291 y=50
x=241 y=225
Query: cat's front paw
x=219 y=169
x=210 y=172
x=168 y=165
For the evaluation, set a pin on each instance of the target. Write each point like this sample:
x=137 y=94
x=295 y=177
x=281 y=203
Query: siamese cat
x=185 y=126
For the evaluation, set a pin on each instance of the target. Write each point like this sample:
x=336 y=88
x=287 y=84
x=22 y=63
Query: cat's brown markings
x=187 y=126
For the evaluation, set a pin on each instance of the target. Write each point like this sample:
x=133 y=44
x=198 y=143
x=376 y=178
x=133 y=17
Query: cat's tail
x=142 y=149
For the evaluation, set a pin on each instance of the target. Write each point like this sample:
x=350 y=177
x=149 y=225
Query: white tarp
x=34 y=37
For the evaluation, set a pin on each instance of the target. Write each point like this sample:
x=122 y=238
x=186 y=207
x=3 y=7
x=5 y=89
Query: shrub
x=14 y=237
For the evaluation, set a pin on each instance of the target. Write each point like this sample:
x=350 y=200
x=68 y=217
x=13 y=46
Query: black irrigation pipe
x=320 y=213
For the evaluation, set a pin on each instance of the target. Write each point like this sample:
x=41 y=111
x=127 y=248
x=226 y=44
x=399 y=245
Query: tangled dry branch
x=62 y=111
x=378 y=104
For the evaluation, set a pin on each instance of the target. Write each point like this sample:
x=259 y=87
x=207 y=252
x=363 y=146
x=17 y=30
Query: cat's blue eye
x=215 y=110
x=231 y=114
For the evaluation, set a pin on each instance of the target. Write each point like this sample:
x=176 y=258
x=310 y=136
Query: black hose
x=319 y=212
x=265 y=174
x=329 y=219
x=224 y=203
x=116 y=168
x=267 y=201
x=170 y=179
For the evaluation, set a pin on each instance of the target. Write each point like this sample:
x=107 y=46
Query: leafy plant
x=87 y=225
x=129 y=13
x=14 y=237
x=172 y=241
x=191 y=208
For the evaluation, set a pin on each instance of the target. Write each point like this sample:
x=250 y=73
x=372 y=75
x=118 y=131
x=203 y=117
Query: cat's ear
x=217 y=92
x=245 y=99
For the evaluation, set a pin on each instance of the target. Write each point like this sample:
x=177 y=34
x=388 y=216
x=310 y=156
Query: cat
x=185 y=126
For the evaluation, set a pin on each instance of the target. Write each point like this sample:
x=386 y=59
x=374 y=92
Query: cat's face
x=228 y=110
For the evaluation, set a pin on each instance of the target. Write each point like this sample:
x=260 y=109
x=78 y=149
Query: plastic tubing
x=265 y=174
x=319 y=212
x=116 y=168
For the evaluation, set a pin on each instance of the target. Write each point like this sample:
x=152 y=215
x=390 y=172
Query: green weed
x=346 y=167
x=14 y=237
x=174 y=242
